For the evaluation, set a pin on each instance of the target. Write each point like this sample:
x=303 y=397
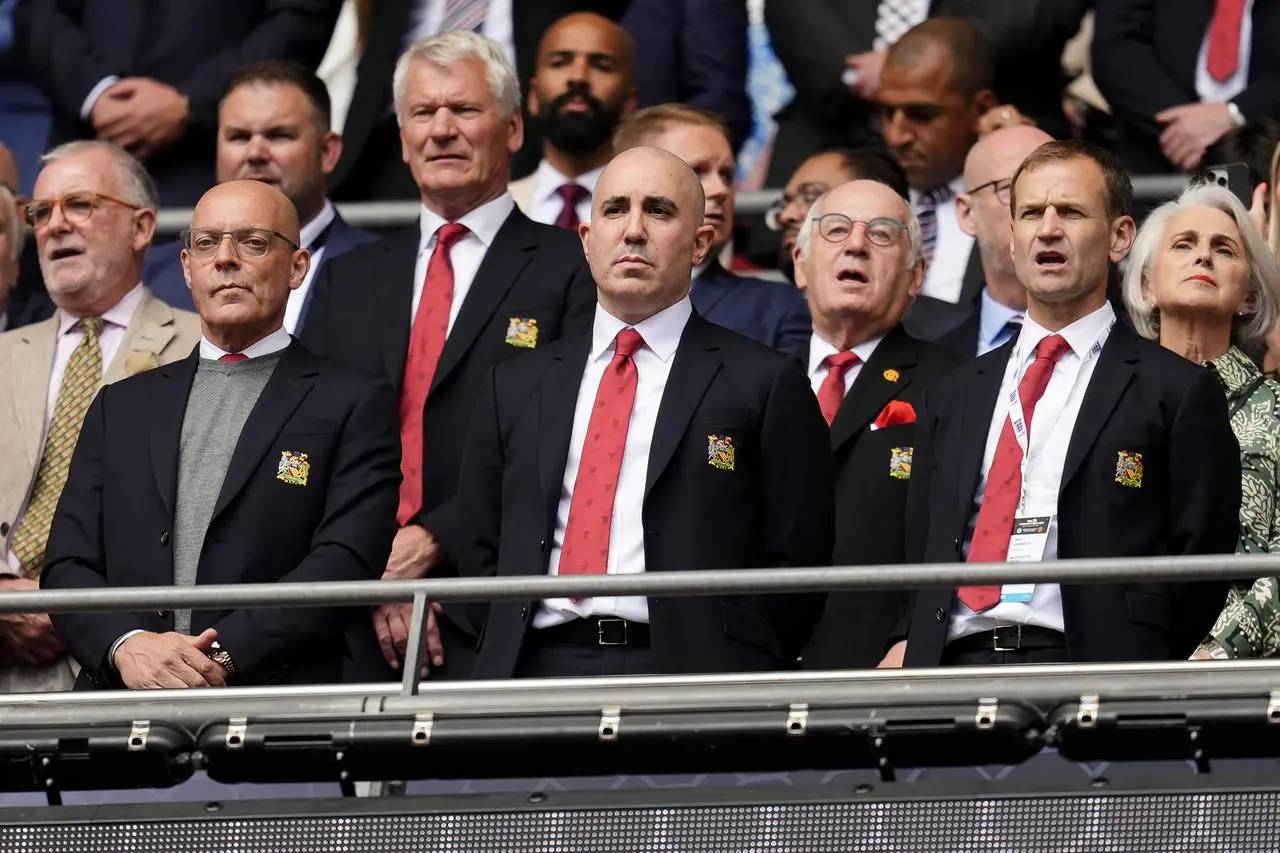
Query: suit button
x=164 y=538
x=4 y=528
x=940 y=615
x=163 y=614
x=542 y=545
x=524 y=611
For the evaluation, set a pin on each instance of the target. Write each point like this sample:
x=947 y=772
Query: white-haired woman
x=1202 y=281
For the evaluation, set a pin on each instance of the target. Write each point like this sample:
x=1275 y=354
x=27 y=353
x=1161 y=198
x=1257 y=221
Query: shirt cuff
x=115 y=647
x=86 y=109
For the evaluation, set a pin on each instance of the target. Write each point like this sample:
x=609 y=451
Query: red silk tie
x=426 y=342
x=571 y=195
x=1224 y=38
x=233 y=358
x=990 y=542
x=585 y=550
x=831 y=391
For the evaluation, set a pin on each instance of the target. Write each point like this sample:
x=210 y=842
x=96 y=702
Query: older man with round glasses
x=858 y=261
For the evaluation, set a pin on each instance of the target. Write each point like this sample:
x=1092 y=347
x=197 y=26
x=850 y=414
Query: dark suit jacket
x=694 y=52
x=1144 y=61
x=163 y=270
x=813 y=38
x=1141 y=399
x=871 y=496
x=72 y=45
x=28 y=308
x=772 y=312
x=112 y=525
x=773 y=509
x=935 y=320
x=371 y=166
x=360 y=316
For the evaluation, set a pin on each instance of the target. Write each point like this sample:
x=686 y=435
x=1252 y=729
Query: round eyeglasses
x=1003 y=189
x=881 y=231
x=76 y=207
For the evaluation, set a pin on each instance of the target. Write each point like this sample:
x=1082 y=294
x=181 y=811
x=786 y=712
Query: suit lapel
x=149 y=332
x=503 y=262
x=709 y=289
x=29 y=383
x=284 y=392
x=394 y=312
x=1110 y=377
x=874 y=386
x=557 y=400
x=169 y=401
x=979 y=408
x=696 y=361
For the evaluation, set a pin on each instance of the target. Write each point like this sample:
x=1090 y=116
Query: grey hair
x=1248 y=331
x=915 y=239
x=445 y=49
x=138 y=187
x=13 y=230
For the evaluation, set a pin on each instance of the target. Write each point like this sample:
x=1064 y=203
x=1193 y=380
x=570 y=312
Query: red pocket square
x=896 y=412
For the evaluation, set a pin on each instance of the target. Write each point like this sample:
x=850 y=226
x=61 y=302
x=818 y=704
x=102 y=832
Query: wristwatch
x=222 y=657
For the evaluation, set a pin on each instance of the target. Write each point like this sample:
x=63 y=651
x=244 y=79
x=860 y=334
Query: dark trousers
x=572 y=650
x=1033 y=645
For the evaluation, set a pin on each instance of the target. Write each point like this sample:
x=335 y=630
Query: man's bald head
x=967 y=54
x=590 y=27
x=646 y=232
x=250 y=201
x=997 y=155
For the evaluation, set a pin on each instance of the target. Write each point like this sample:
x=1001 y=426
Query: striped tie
x=926 y=208
x=464 y=14
x=895 y=17
x=80 y=382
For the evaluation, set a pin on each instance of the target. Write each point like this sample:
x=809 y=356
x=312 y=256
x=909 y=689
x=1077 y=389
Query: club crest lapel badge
x=900 y=463
x=1129 y=469
x=720 y=452
x=522 y=332
x=891 y=375
x=293 y=468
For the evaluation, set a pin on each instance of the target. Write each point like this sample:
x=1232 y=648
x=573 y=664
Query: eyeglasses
x=246 y=242
x=76 y=207
x=1003 y=189
x=881 y=231
x=807 y=195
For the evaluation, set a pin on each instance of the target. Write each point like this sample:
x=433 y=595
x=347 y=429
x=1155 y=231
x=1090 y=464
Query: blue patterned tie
x=464 y=15
x=926 y=208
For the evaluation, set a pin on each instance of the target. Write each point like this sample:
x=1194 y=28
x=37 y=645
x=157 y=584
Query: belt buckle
x=604 y=627
x=1008 y=638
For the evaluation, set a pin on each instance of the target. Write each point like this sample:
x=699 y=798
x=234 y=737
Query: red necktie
x=990 y=542
x=1224 y=38
x=831 y=392
x=233 y=358
x=586 y=536
x=572 y=195
x=426 y=342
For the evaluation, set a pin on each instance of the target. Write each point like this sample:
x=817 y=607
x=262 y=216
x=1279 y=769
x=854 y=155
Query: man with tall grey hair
x=94 y=215
x=435 y=306
x=859 y=263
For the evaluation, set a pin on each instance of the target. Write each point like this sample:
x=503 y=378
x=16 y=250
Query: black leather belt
x=602 y=631
x=1010 y=638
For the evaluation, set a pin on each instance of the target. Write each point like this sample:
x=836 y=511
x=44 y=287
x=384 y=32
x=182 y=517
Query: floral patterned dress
x=1249 y=625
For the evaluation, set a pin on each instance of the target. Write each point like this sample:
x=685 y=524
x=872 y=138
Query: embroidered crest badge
x=1129 y=469
x=891 y=375
x=720 y=452
x=522 y=332
x=900 y=463
x=293 y=468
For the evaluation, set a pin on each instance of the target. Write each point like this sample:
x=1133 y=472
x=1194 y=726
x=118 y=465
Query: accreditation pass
x=1026 y=545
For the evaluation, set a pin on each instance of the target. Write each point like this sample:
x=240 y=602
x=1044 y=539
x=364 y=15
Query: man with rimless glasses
x=93 y=217
x=250 y=461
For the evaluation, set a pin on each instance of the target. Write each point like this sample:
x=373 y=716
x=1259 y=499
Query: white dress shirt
x=661 y=334
x=274 y=342
x=945 y=277
x=1213 y=91
x=308 y=235
x=426 y=17
x=992 y=318
x=819 y=349
x=482 y=226
x=1051 y=428
x=546 y=203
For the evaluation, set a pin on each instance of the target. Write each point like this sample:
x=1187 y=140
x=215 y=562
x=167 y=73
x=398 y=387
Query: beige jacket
x=157 y=335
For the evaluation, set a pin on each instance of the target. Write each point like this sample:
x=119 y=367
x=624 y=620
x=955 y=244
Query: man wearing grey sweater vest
x=251 y=461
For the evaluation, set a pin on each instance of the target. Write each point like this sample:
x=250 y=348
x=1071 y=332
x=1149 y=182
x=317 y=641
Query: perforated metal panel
x=1227 y=822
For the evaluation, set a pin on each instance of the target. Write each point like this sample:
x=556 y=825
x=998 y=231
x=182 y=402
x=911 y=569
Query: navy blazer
x=773 y=313
x=163 y=269
x=112 y=526
x=770 y=507
x=1142 y=399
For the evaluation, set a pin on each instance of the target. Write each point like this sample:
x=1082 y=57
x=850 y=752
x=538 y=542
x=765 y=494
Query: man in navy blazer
x=274 y=126
x=771 y=312
x=655 y=442
x=252 y=461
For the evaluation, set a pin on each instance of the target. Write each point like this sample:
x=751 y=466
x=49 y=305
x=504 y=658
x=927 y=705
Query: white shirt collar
x=119 y=314
x=548 y=179
x=993 y=317
x=483 y=222
x=318 y=223
x=661 y=332
x=272 y=343
x=820 y=348
x=1080 y=335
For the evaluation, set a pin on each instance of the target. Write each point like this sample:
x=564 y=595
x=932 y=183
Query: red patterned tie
x=426 y=342
x=1224 y=38
x=831 y=392
x=233 y=358
x=990 y=542
x=571 y=195
x=586 y=536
